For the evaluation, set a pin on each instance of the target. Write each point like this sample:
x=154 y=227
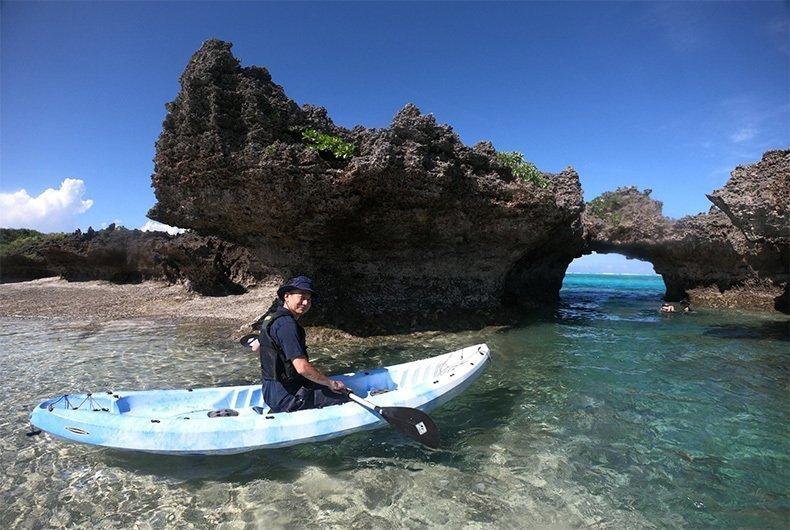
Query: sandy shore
x=104 y=301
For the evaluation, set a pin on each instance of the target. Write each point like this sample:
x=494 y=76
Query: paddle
x=413 y=423
x=247 y=340
x=410 y=422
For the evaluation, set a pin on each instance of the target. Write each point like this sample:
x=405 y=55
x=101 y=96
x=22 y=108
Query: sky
x=667 y=96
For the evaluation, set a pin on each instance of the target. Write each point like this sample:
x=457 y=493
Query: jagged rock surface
x=206 y=265
x=415 y=230
x=756 y=199
x=741 y=245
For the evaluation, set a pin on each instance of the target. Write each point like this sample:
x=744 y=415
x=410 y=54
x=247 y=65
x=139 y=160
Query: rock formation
x=402 y=227
x=735 y=255
x=206 y=265
x=406 y=228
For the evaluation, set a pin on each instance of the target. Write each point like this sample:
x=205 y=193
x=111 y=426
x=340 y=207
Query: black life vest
x=274 y=364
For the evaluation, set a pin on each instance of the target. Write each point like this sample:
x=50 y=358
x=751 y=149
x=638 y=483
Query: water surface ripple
x=599 y=413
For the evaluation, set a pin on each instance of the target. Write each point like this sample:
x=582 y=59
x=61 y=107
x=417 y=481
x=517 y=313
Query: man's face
x=298 y=302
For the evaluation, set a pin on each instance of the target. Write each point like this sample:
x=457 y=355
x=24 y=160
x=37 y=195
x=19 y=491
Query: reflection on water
x=758 y=331
x=601 y=412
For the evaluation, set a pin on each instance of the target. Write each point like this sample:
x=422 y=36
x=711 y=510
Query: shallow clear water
x=601 y=412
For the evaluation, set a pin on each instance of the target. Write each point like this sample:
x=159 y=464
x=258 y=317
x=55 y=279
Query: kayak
x=228 y=420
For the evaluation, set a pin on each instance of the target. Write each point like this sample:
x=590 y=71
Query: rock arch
x=411 y=228
x=407 y=228
x=734 y=255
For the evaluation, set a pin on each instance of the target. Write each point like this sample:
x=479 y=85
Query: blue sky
x=667 y=96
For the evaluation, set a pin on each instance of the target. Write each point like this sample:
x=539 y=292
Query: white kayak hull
x=177 y=421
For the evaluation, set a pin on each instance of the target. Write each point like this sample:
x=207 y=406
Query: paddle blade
x=413 y=423
x=248 y=339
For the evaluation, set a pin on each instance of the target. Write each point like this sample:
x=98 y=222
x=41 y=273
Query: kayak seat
x=237 y=398
x=372 y=382
x=246 y=397
x=256 y=397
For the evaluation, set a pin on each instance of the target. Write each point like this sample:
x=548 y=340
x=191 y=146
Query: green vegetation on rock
x=22 y=241
x=327 y=143
x=607 y=206
x=521 y=168
x=270 y=151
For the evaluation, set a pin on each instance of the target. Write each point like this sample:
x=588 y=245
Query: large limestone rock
x=756 y=198
x=736 y=255
x=414 y=230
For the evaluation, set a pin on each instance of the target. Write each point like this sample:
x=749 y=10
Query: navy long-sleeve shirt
x=286 y=333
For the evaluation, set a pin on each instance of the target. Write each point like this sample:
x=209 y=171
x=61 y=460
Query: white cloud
x=156 y=226
x=53 y=210
x=744 y=134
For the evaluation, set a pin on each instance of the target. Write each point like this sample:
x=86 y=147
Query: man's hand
x=307 y=370
x=337 y=386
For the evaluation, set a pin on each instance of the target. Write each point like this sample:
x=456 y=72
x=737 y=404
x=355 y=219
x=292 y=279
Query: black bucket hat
x=303 y=283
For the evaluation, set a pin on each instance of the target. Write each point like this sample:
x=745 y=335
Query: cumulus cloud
x=156 y=226
x=53 y=210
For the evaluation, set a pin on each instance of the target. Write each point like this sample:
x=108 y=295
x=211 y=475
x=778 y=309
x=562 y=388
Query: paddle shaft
x=364 y=402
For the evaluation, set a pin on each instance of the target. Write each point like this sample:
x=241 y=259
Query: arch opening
x=583 y=270
x=610 y=263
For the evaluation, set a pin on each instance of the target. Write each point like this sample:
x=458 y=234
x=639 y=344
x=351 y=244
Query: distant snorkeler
x=666 y=307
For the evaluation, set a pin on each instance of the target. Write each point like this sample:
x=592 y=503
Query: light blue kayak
x=177 y=421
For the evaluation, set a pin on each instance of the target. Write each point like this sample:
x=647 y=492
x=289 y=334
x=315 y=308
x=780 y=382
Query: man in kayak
x=290 y=381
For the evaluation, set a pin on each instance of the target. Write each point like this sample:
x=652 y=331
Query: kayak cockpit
x=177 y=403
x=174 y=403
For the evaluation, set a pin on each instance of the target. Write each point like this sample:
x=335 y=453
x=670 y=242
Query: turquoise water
x=600 y=412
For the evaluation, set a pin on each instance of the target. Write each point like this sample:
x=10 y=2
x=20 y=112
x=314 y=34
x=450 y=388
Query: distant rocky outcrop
x=401 y=227
x=206 y=265
x=736 y=255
